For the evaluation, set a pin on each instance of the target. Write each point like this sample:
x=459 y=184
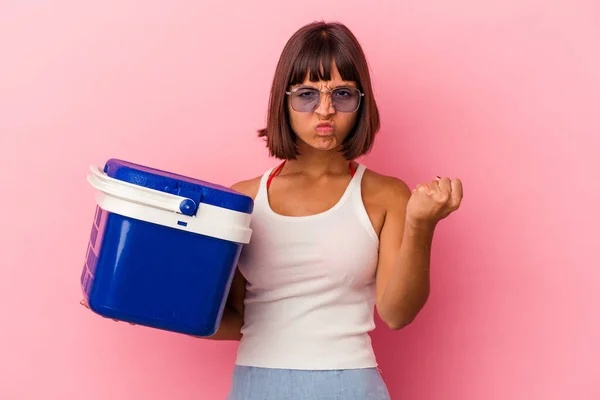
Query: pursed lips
x=324 y=128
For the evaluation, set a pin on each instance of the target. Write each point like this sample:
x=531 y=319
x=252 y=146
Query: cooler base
x=156 y=276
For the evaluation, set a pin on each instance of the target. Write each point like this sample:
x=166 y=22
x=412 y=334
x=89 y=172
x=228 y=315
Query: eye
x=306 y=93
x=343 y=92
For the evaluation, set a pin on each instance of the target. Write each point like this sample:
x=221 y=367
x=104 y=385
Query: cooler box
x=163 y=248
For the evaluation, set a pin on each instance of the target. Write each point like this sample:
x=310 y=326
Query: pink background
x=503 y=94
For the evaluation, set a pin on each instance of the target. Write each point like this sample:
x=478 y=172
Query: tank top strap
x=357 y=204
x=261 y=194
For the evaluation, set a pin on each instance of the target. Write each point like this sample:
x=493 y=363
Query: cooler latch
x=189 y=206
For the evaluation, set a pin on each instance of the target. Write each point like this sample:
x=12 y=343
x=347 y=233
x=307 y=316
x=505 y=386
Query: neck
x=316 y=162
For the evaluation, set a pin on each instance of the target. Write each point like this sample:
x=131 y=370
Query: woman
x=331 y=240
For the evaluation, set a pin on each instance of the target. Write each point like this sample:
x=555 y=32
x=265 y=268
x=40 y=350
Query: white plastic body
x=160 y=208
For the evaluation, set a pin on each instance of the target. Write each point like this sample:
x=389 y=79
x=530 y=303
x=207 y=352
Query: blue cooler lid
x=195 y=189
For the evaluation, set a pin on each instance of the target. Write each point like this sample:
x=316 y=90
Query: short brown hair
x=311 y=50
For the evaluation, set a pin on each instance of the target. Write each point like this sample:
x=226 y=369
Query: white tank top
x=311 y=286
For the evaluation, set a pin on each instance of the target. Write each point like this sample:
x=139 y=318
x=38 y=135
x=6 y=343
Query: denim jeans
x=254 y=383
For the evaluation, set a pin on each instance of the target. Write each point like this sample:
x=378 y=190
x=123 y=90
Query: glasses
x=307 y=99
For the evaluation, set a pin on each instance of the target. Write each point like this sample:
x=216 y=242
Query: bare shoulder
x=387 y=191
x=248 y=187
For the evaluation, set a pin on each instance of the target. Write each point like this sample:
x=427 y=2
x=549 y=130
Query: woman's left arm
x=405 y=246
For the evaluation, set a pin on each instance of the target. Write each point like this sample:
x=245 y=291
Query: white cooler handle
x=139 y=194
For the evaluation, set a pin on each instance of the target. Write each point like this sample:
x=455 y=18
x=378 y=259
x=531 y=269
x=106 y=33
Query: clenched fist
x=434 y=201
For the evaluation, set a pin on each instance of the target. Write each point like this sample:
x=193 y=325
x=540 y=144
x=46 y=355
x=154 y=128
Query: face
x=324 y=128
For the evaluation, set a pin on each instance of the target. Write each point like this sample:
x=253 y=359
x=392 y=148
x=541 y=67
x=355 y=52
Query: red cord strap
x=352 y=170
x=275 y=172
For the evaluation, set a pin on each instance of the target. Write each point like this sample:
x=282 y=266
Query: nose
x=325 y=107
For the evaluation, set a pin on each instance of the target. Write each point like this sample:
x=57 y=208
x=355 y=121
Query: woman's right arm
x=233 y=316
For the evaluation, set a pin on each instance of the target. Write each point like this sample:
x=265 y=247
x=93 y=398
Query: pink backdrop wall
x=504 y=94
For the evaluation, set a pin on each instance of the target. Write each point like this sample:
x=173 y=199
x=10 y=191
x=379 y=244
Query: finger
x=431 y=188
x=445 y=186
x=457 y=192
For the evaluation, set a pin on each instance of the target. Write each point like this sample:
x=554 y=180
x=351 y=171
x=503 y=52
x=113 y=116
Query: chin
x=325 y=146
x=321 y=142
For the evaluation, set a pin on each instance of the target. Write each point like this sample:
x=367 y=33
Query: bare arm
x=405 y=246
x=403 y=270
x=233 y=315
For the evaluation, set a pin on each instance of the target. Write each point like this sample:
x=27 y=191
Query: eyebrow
x=344 y=84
